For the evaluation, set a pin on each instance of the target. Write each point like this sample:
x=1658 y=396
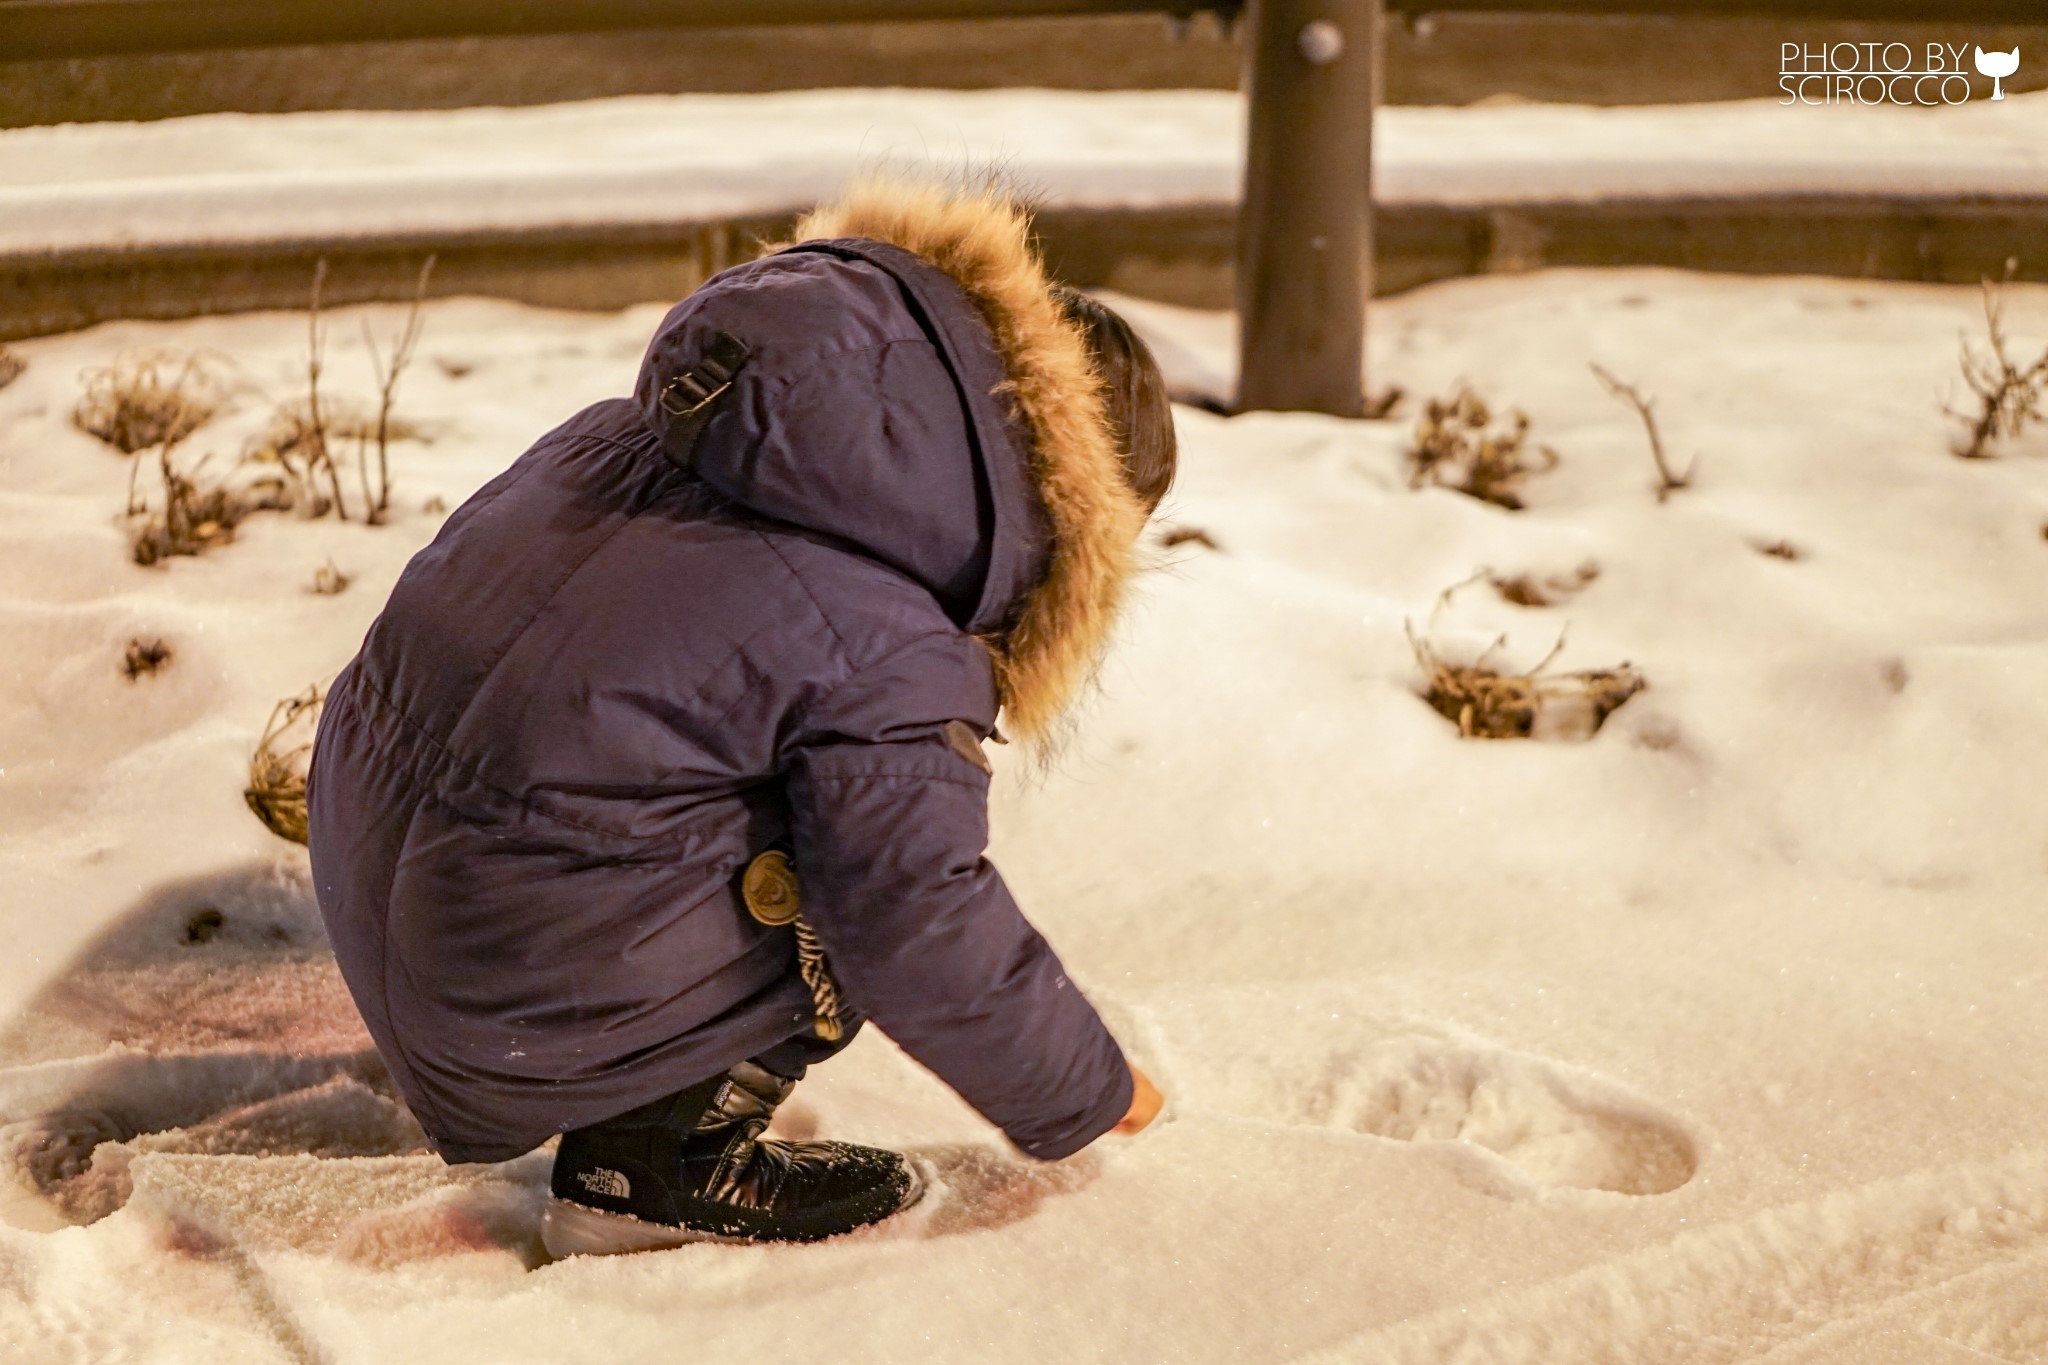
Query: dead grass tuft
x=1172 y=536
x=151 y=402
x=1780 y=549
x=1486 y=702
x=277 y=770
x=2009 y=395
x=296 y=449
x=11 y=366
x=328 y=580
x=148 y=400
x=1548 y=590
x=291 y=427
x=144 y=658
x=1455 y=447
x=198 y=512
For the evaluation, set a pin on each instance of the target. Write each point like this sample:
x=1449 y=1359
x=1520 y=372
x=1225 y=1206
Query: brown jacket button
x=770 y=888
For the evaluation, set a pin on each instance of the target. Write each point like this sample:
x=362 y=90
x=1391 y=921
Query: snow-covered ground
x=319 y=176
x=1717 y=1038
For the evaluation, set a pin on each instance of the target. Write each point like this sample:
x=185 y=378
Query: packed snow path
x=1716 y=1038
x=225 y=178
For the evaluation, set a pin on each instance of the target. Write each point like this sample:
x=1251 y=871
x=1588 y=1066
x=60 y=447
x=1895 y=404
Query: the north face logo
x=610 y=1184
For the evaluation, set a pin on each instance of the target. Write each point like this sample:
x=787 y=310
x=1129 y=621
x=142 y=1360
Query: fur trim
x=981 y=237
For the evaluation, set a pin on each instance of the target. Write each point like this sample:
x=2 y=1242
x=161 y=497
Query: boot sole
x=571 y=1229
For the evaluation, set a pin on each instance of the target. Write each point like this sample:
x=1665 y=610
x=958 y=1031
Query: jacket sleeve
x=889 y=822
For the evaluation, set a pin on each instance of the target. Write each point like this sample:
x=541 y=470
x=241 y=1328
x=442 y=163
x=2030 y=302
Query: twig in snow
x=1667 y=482
x=2008 y=396
x=302 y=437
x=387 y=385
x=1171 y=536
x=317 y=453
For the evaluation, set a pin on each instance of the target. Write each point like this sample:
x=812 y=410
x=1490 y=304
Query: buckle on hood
x=712 y=375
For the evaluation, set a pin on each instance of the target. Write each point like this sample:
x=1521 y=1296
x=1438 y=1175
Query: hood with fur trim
x=981 y=239
x=915 y=389
x=608 y=686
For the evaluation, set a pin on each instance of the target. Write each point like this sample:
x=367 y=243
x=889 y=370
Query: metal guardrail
x=1304 y=241
x=36 y=29
x=43 y=29
x=1871 y=11
x=1868 y=11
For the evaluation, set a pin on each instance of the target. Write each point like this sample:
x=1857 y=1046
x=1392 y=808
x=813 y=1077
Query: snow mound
x=1715 y=1038
x=210 y=1020
x=372 y=1211
x=1730 y=1293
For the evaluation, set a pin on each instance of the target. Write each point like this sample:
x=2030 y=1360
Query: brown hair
x=1134 y=392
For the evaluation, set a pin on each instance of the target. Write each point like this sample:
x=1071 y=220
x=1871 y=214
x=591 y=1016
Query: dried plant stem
x=1667 y=482
x=134 y=480
x=2009 y=396
x=363 y=477
x=318 y=453
x=387 y=388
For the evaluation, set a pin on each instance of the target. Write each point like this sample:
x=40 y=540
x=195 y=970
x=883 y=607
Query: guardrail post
x=1304 y=244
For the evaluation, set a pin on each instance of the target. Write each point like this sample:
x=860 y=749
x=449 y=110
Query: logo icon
x=610 y=1184
x=1997 y=65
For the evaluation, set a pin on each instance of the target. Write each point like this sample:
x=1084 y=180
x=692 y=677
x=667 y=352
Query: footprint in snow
x=1511 y=1124
x=1542 y=1125
x=211 y=1021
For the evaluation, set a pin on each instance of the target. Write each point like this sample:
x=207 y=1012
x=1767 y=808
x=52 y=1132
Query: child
x=661 y=770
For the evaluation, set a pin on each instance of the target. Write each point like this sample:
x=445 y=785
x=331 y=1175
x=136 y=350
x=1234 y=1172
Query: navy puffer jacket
x=643 y=655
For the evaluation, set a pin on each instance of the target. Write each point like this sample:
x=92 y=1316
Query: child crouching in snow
x=661 y=770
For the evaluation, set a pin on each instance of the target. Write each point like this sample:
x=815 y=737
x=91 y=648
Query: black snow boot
x=695 y=1168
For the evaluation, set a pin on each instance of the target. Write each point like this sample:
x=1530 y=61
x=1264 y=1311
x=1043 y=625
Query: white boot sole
x=569 y=1229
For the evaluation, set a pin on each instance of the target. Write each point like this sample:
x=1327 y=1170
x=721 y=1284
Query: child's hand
x=1145 y=1103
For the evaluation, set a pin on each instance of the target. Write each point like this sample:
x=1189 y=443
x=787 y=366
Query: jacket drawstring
x=810 y=958
x=772 y=896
